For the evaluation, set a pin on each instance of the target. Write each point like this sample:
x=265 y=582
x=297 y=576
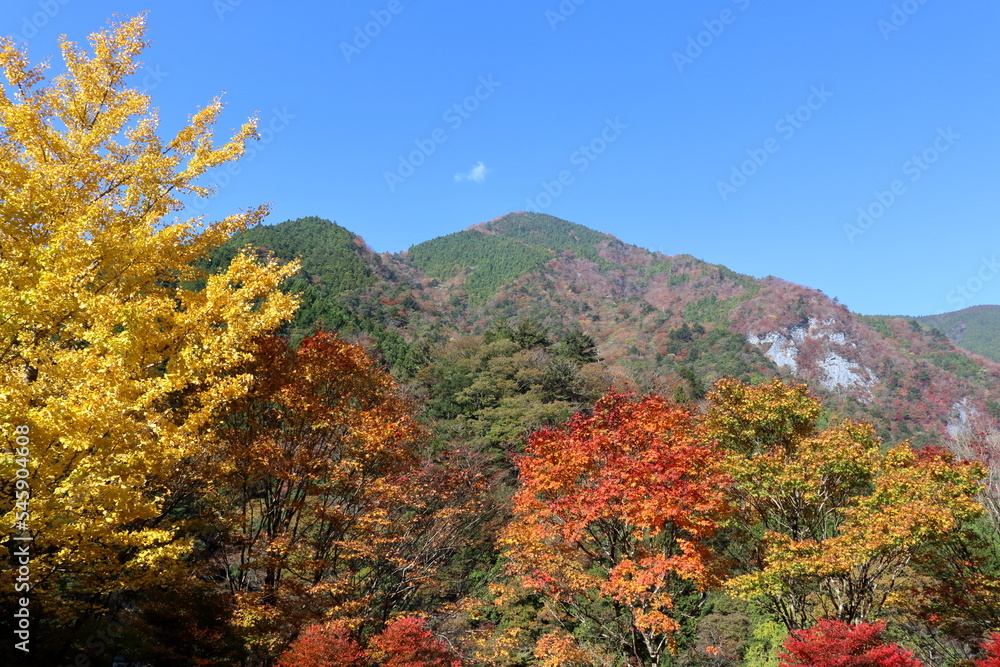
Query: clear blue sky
x=667 y=98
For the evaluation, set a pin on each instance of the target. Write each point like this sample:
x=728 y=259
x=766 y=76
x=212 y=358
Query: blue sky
x=743 y=132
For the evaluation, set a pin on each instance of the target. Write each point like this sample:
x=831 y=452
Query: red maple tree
x=409 y=643
x=326 y=645
x=832 y=643
x=614 y=514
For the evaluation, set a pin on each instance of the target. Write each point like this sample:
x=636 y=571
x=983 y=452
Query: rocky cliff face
x=906 y=374
x=833 y=370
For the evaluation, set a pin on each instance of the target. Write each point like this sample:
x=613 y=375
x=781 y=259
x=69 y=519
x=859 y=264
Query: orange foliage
x=405 y=643
x=327 y=509
x=614 y=511
x=408 y=643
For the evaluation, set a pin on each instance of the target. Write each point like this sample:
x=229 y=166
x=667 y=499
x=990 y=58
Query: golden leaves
x=838 y=520
x=130 y=361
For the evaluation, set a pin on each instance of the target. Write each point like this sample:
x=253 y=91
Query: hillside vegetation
x=671 y=324
x=976 y=329
x=530 y=444
x=485 y=262
x=526 y=444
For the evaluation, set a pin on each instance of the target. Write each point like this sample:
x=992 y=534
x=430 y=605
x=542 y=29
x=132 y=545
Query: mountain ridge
x=976 y=329
x=633 y=302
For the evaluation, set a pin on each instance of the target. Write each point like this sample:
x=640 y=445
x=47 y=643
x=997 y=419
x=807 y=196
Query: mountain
x=976 y=329
x=670 y=324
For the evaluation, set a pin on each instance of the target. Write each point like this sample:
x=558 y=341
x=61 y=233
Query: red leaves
x=832 y=643
x=992 y=648
x=635 y=460
x=329 y=645
x=405 y=643
x=408 y=643
x=618 y=505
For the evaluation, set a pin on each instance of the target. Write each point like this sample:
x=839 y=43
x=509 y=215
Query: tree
x=325 y=645
x=492 y=394
x=116 y=351
x=530 y=333
x=834 y=643
x=325 y=506
x=960 y=595
x=612 y=520
x=408 y=643
x=578 y=347
x=304 y=482
x=826 y=523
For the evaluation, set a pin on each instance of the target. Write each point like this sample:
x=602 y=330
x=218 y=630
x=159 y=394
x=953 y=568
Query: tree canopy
x=111 y=360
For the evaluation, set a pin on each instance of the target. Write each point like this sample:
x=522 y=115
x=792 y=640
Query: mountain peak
x=543 y=230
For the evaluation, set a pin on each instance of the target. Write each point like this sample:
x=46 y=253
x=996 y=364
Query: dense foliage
x=839 y=644
x=829 y=522
x=974 y=329
x=111 y=364
x=613 y=518
x=667 y=324
x=526 y=444
x=549 y=232
x=487 y=262
x=332 y=270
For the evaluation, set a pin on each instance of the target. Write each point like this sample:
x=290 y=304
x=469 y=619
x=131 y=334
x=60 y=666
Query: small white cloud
x=477 y=174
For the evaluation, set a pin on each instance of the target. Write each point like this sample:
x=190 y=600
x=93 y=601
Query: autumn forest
x=522 y=444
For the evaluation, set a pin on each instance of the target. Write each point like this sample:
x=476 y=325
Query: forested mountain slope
x=976 y=329
x=671 y=324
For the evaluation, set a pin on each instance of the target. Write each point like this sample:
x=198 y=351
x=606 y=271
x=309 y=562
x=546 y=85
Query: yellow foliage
x=559 y=649
x=109 y=354
x=838 y=519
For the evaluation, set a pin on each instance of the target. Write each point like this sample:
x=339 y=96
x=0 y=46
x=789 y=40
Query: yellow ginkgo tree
x=116 y=351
